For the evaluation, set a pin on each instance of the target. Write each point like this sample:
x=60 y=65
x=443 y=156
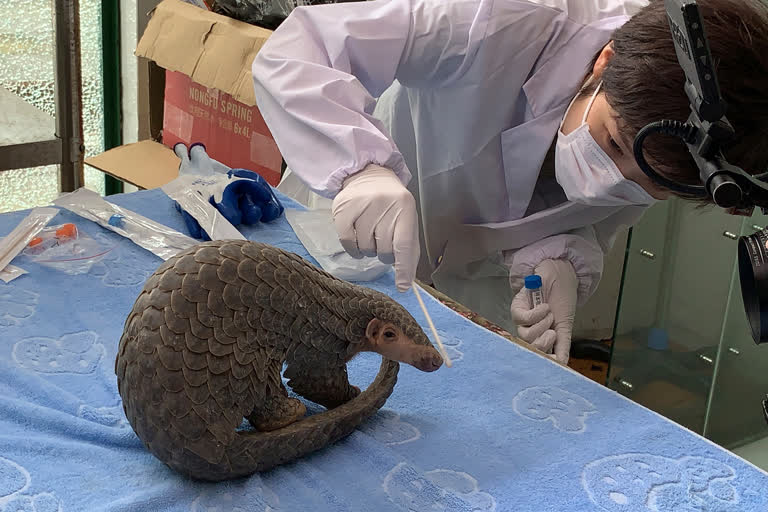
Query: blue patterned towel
x=503 y=430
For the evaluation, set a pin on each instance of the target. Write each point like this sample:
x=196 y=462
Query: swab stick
x=446 y=359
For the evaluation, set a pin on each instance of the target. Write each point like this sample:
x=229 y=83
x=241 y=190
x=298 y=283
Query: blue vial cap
x=116 y=220
x=533 y=282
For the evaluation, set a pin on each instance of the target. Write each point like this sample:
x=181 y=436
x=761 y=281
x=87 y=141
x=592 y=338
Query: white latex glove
x=549 y=326
x=375 y=215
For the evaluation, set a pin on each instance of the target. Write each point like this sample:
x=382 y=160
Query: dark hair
x=644 y=82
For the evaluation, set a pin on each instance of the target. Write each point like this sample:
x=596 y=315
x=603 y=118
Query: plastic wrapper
x=152 y=236
x=11 y=272
x=15 y=242
x=263 y=13
x=182 y=190
x=66 y=249
x=316 y=231
x=292 y=186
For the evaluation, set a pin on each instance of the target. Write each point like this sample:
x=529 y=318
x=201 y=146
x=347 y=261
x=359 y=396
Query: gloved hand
x=549 y=326
x=375 y=215
x=240 y=195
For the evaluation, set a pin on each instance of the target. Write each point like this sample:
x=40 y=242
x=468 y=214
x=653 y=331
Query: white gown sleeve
x=317 y=77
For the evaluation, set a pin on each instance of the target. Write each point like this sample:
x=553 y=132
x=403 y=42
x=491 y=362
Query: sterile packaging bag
x=65 y=248
x=182 y=190
x=316 y=231
x=292 y=186
x=11 y=272
x=15 y=242
x=152 y=236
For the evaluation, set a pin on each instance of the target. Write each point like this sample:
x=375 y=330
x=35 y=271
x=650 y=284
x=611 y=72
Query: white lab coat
x=462 y=99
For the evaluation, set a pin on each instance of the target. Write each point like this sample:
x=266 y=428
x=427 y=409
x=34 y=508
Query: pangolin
x=204 y=347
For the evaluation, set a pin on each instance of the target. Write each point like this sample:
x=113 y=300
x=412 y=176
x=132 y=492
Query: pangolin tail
x=248 y=454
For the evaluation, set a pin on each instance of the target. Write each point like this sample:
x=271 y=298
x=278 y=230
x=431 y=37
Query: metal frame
x=67 y=148
x=111 y=78
x=30 y=154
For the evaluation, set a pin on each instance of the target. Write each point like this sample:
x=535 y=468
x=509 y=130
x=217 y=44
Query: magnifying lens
x=753 y=274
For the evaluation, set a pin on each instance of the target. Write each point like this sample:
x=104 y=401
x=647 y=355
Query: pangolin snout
x=429 y=361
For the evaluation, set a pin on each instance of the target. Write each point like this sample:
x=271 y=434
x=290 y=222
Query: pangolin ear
x=373 y=329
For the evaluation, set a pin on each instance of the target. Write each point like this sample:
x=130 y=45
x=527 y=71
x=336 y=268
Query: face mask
x=587 y=174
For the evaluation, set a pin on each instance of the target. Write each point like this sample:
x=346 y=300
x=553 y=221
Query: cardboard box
x=146 y=164
x=233 y=132
x=207 y=97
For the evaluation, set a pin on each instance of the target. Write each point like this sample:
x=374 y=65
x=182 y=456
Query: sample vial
x=533 y=285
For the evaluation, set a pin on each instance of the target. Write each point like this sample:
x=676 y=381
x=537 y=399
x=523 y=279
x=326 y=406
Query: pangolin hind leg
x=278 y=409
x=320 y=377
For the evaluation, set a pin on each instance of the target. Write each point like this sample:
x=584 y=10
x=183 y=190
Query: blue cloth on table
x=504 y=429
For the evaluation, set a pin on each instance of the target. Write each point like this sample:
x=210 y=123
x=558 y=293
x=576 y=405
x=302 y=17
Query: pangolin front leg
x=278 y=409
x=320 y=377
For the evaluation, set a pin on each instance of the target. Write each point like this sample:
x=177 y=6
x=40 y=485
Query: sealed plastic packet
x=316 y=232
x=66 y=249
x=152 y=236
x=15 y=242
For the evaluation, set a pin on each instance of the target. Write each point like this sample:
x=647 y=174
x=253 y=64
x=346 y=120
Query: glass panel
x=27 y=94
x=27 y=108
x=672 y=309
x=20 y=120
x=26 y=188
x=735 y=419
x=93 y=90
x=26 y=71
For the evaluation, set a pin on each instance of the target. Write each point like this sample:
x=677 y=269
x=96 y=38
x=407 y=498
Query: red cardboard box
x=233 y=132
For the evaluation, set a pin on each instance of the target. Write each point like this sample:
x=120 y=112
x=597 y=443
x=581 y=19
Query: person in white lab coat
x=474 y=142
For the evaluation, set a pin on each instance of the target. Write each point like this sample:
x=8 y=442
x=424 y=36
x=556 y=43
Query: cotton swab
x=446 y=359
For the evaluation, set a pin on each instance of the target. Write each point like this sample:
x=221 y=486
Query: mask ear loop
x=570 y=105
x=591 y=101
